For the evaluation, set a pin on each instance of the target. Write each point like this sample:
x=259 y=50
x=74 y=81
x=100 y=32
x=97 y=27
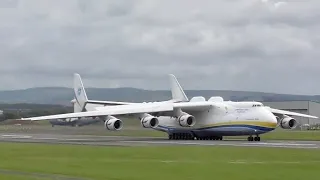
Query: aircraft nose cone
x=272 y=119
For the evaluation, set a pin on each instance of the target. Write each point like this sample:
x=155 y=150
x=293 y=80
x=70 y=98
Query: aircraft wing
x=193 y=106
x=112 y=110
x=131 y=109
x=108 y=102
x=278 y=111
x=122 y=103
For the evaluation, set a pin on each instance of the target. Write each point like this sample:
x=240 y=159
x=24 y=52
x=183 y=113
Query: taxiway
x=146 y=141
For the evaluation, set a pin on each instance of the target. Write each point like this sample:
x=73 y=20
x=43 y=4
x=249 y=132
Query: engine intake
x=187 y=120
x=113 y=124
x=288 y=123
x=149 y=122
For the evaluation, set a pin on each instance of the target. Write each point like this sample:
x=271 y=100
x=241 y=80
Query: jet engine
x=186 y=120
x=149 y=121
x=288 y=122
x=113 y=124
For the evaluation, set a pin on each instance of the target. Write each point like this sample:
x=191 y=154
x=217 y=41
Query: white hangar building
x=305 y=107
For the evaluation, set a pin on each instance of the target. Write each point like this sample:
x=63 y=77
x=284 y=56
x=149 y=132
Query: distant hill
x=63 y=96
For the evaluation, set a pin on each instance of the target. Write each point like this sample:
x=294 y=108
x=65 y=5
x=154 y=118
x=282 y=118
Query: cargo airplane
x=186 y=119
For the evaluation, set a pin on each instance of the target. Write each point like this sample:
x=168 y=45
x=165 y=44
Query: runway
x=146 y=141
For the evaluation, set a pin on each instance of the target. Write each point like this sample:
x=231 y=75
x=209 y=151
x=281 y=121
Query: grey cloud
x=223 y=44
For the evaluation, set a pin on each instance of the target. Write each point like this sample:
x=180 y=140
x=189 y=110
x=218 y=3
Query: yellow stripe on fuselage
x=249 y=123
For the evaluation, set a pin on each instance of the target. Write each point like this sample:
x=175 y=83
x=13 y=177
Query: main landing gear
x=181 y=136
x=187 y=136
x=210 y=138
x=257 y=138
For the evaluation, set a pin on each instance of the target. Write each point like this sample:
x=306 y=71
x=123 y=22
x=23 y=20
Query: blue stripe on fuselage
x=260 y=128
x=223 y=129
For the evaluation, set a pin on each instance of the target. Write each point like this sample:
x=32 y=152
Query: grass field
x=145 y=163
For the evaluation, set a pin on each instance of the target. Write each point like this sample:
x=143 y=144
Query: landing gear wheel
x=250 y=138
x=191 y=137
x=174 y=136
x=181 y=136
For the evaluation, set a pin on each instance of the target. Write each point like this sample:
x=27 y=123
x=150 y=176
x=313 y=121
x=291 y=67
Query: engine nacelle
x=288 y=122
x=113 y=124
x=149 y=122
x=186 y=120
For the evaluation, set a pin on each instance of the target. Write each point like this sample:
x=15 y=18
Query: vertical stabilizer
x=176 y=90
x=79 y=91
x=76 y=106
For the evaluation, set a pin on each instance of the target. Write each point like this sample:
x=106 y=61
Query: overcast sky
x=255 y=45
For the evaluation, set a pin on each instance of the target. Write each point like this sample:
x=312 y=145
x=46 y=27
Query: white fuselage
x=229 y=119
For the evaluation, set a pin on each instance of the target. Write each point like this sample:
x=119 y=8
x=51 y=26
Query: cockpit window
x=256 y=105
